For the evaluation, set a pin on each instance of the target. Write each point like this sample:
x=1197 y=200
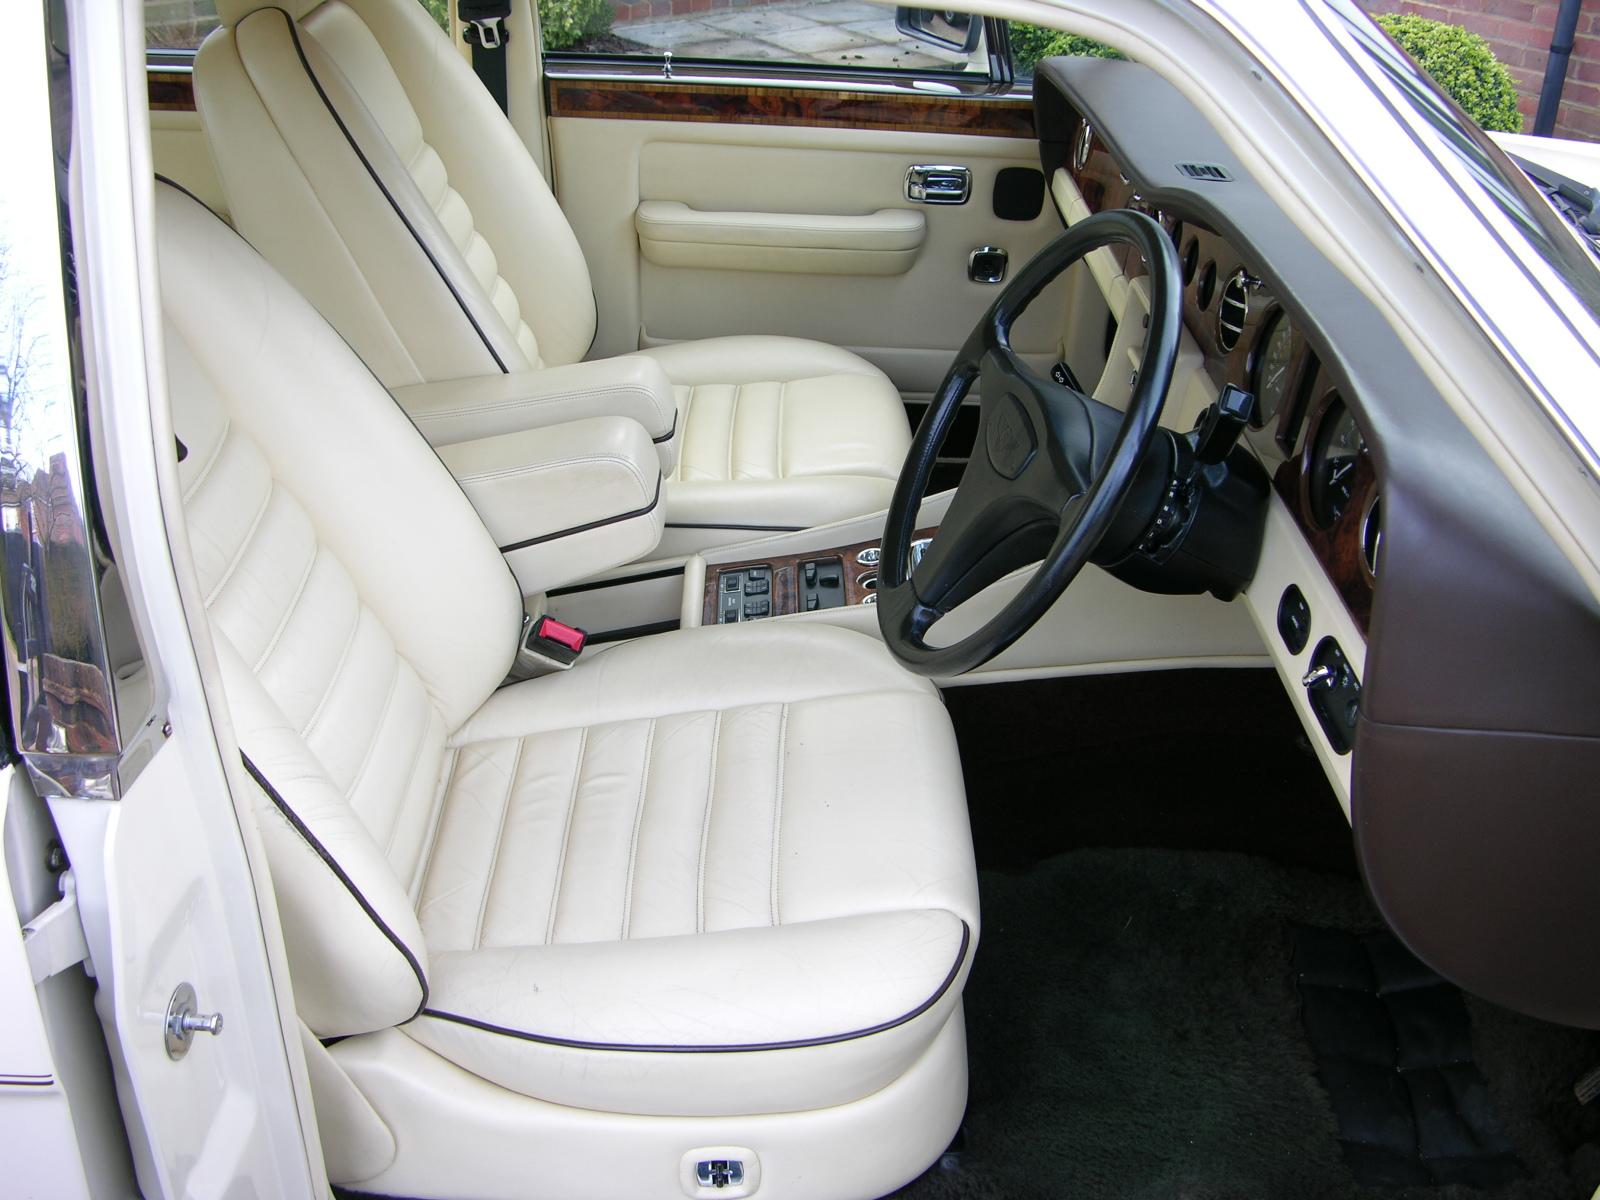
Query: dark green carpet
x=1134 y=1032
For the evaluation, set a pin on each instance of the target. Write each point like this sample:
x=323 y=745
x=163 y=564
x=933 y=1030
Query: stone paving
x=835 y=32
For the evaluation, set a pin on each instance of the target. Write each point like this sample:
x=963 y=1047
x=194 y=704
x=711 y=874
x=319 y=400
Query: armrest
x=567 y=501
x=880 y=243
x=457 y=410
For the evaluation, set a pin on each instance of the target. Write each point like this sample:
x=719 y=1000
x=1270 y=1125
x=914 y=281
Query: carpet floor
x=1134 y=1031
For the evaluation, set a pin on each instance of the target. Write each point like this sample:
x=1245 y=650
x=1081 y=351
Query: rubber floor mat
x=1393 y=1044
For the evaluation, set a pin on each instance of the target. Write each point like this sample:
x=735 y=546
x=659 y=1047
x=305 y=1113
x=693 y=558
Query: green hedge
x=1030 y=43
x=1462 y=64
x=567 y=22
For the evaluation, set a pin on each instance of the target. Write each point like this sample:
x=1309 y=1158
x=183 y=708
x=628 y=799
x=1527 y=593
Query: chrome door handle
x=927 y=184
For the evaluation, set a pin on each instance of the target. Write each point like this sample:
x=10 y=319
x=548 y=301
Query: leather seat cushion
x=780 y=431
x=717 y=872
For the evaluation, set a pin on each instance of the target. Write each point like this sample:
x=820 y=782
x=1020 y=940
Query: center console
x=779 y=585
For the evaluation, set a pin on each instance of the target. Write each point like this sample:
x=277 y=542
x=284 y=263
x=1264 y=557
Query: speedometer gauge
x=1271 y=383
x=1334 y=460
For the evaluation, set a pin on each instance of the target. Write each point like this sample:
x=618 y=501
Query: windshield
x=1506 y=186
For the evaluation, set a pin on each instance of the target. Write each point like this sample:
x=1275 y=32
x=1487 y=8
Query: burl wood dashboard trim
x=649 y=100
x=786 y=577
x=1338 y=547
x=1310 y=394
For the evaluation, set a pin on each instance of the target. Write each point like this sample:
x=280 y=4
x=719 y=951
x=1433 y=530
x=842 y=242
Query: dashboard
x=1304 y=430
x=1424 y=623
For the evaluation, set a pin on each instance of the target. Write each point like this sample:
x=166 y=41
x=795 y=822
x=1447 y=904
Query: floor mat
x=1134 y=1031
x=1393 y=1043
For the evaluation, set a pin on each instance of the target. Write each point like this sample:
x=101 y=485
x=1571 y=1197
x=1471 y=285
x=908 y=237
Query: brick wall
x=1520 y=33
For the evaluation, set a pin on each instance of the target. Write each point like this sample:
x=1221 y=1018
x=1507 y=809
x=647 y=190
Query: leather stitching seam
x=216 y=455
x=289 y=609
x=338 y=670
x=705 y=826
x=777 y=814
x=638 y=823
x=566 y=837
x=377 y=729
x=499 y=836
x=244 y=545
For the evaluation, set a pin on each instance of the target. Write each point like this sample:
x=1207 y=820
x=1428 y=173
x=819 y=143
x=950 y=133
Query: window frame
x=999 y=81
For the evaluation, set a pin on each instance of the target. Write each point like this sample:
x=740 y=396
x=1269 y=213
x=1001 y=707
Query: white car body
x=168 y=889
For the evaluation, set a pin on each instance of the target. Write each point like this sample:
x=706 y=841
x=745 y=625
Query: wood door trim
x=618 y=100
x=171 y=91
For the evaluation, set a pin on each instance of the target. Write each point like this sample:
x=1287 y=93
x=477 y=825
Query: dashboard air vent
x=1209 y=172
x=1233 y=310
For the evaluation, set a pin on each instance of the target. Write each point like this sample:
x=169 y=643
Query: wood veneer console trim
x=786 y=576
x=631 y=100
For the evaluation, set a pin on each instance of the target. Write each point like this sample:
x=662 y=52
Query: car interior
x=859 y=643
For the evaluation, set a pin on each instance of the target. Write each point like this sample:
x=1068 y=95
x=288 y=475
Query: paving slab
x=841 y=12
x=760 y=21
x=669 y=33
x=804 y=43
x=732 y=48
x=886 y=56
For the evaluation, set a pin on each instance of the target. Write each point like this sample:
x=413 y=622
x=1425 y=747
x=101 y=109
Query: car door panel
x=614 y=165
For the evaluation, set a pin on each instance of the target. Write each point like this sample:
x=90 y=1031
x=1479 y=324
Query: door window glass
x=841 y=34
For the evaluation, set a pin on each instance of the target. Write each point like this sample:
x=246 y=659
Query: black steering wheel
x=1050 y=473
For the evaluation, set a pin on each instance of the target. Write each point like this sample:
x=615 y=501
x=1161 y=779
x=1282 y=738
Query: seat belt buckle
x=486 y=20
x=556 y=641
x=489 y=32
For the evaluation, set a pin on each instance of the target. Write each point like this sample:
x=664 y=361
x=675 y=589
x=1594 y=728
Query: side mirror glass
x=939 y=27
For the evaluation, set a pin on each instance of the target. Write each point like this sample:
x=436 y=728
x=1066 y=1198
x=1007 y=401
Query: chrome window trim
x=1524 y=257
x=621 y=69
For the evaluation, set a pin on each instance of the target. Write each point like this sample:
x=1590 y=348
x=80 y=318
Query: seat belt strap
x=485 y=31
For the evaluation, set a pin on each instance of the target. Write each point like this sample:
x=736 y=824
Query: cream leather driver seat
x=707 y=897
x=358 y=152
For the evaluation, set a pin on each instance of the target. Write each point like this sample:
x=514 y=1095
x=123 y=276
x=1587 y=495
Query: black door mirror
x=940 y=27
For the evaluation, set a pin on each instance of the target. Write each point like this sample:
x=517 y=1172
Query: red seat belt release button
x=548 y=629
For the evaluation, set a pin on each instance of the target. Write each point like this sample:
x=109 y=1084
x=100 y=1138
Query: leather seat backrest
x=359 y=153
x=361 y=612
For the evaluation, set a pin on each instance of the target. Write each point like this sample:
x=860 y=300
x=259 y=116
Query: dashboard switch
x=1294 y=619
x=1335 y=694
x=822 y=583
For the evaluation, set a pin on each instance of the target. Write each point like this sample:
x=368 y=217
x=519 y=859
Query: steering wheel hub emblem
x=1010 y=437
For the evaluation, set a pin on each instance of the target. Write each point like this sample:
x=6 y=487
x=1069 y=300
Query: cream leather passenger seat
x=707 y=898
x=358 y=152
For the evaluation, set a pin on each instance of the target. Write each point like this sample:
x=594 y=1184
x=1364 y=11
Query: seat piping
x=328 y=860
x=735 y=1048
x=585 y=528
x=294 y=36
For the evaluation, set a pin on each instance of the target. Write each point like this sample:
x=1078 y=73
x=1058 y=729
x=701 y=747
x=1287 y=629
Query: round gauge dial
x=1334 y=462
x=1272 y=369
